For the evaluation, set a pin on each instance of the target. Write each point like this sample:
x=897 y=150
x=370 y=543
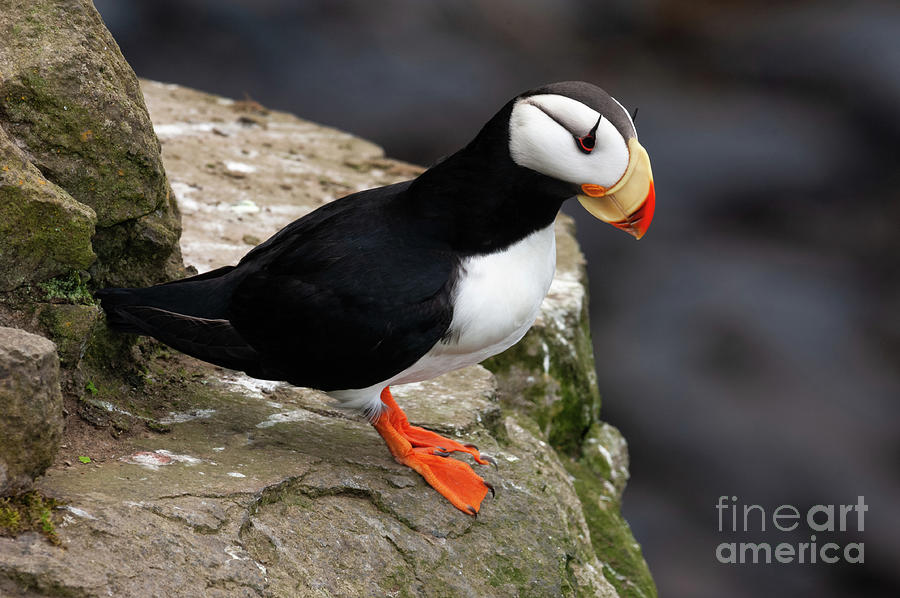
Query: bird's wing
x=345 y=300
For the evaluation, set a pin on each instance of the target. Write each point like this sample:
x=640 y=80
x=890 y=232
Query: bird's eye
x=586 y=142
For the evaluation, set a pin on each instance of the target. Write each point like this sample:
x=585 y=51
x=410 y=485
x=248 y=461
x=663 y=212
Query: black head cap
x=592 y=97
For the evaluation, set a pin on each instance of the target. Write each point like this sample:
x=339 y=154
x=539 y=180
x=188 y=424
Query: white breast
x=496 y=300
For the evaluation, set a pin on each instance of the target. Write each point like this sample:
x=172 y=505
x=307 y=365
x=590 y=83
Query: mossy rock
x=70 y=327
x=599 y=477
x=44 y=232
x=29 y=511
x=69 y=99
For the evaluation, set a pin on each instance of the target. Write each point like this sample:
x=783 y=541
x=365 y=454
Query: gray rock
x=31 y=407
x=282 y=495
x=72 y=104
x=44 y=232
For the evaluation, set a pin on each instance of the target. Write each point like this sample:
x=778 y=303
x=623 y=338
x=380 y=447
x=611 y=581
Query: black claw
x=441 y=453
x=491 y=488
x=440 y=448
x=490 y=460
x=472 y=510
x=471 y=446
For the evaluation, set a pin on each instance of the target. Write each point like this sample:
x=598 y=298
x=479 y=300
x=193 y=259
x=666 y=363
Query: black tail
x=114 y=303
x=204 y=296
x=189 y=315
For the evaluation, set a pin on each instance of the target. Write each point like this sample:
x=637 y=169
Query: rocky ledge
x=250 y=488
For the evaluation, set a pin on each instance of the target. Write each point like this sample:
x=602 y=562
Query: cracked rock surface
x=262 y=489
x=280 y=494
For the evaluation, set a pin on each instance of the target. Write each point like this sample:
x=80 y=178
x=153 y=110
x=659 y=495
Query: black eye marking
x=587 y=142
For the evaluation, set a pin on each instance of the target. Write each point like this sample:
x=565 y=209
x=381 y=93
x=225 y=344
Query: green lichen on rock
x=70 y=327
x=72 y=103
x=28 y=512
x=550 y=378
x=44 y=232
x=69 y=288
x=140 y=252
x=600 y=476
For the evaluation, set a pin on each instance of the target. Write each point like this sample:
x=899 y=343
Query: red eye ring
x=586 y=143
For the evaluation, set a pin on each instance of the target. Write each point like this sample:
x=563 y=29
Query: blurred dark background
x=749 y=346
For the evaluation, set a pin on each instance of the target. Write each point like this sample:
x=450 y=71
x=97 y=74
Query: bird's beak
x=629 y=203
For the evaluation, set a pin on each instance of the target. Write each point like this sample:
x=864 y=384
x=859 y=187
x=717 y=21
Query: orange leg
x=427 y=452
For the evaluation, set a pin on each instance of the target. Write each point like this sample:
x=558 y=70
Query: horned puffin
x=409 y=281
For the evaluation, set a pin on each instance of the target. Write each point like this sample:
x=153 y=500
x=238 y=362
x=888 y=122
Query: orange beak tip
x=638 y=222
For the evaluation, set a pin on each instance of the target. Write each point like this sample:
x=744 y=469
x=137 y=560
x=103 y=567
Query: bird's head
x=577 y=133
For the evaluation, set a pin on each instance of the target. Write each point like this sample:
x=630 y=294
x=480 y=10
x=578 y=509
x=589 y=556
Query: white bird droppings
x=180 y=418
x=78 y=512
x=244 y=206
x=251 y=387
x=288 y=416
x=239 y=167
x=159 y=458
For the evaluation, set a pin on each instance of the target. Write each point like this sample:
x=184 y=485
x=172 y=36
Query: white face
x=542 y=131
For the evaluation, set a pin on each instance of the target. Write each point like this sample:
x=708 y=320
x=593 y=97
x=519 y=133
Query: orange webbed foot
x=426 y=452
